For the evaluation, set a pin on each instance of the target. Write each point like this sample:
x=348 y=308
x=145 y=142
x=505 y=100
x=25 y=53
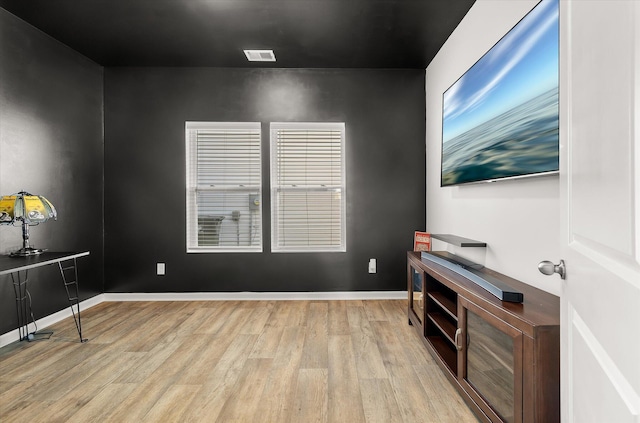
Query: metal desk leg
x=24 y=309
x=69 y=274
x=19 y=289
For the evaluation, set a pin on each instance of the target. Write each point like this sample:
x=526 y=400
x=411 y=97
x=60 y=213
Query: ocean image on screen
x=500 y=119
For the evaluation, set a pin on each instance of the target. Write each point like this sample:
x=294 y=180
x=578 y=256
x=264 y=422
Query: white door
x=600 y=194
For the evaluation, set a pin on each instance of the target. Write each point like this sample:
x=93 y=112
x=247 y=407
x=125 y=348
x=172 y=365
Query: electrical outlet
x=372 y=266
x=160 y=269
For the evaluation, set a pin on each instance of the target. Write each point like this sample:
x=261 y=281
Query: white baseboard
x=9 y=337
x=256 y=296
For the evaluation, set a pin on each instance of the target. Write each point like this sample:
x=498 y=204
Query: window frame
x=275 y=186
x=192 y=189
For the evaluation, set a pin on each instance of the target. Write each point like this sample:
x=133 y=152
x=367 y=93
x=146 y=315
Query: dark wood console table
x=503 y=357
x=18 y=268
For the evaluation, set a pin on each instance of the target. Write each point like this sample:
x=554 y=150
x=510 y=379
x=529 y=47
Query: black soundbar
x=470 y=271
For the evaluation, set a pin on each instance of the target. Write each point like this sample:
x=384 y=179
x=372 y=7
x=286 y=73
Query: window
x=307 y=187
x=223 y=187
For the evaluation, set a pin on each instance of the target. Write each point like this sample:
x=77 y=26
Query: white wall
x=518 y=219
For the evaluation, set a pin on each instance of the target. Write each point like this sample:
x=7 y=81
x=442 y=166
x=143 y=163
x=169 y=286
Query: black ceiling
x=303 y=33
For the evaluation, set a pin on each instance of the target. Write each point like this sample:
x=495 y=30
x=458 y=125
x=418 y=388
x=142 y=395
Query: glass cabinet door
x=416 y=292
x=491 y=364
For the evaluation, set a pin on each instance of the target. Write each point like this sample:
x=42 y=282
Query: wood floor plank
x=40 y=355
x=16 y=398
x=67 y=404
x=199 y=366
x=216 y=319
x=298 y=311
x=138 y=403
x=392 y=351
x=267 y=344
x=188 y=350
x=311 y=397
x=255 y=318
x=379 y=401
x=146 y=337
x=374 y=311
x=447 y=400
x=395 y=310
x=62 y=410
x=244 y=398
x=367 y=355
x=232 y=323
x=60 y=374
x=172 y=405
x=344 y=400
x=280 y=315
x=217 y=388
x=279 y=391
x=316 y=344
x=193 y=321
x=148 y=363
x=56 y=384
x=338 y=321
x=95 y=410
x=413 y=402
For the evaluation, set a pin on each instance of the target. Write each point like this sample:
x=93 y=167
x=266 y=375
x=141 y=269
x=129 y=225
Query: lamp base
x=27 y=252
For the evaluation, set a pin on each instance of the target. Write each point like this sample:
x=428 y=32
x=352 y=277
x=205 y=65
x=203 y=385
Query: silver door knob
x=548 y=268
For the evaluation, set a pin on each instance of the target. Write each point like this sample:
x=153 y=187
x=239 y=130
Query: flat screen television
x=500 y=119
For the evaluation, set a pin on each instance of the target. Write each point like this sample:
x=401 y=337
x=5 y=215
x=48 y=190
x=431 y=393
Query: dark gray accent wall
x=51 y=143
x=145 y=113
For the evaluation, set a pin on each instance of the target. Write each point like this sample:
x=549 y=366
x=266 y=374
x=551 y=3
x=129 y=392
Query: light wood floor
x=232 y=361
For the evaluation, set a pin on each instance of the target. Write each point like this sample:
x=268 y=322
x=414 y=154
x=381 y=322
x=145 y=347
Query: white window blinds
x=307 y=187
x=223 y=187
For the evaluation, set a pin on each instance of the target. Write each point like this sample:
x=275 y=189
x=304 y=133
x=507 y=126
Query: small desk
x=18 y=268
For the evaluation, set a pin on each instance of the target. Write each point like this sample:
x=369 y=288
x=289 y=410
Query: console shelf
x=503 y=357
x=445 y=326
x=445 y=303
x=445 y=353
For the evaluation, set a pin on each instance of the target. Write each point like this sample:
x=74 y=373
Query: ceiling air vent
x=260 y=55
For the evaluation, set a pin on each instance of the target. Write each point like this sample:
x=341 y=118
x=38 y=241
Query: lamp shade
x=26 y=210
x=24 y=207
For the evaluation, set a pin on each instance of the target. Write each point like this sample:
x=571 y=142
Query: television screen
x=500 y=119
